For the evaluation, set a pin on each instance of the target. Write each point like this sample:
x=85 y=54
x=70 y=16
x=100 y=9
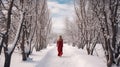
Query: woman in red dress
x=60 y=45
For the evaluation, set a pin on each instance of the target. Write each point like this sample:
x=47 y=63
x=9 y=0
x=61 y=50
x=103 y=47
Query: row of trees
x=97 y=21
x=25 y=24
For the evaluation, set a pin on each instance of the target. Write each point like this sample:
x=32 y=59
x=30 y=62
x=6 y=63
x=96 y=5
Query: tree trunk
x=1 y=45
x=24 y=57
x=7 y=60
x=5 y=40
x=110 y=61
x=92 y=49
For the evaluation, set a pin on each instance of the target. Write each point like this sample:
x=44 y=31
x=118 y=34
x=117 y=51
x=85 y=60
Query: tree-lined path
x=27 y=27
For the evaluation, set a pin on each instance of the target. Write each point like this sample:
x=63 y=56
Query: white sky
x=60 y=9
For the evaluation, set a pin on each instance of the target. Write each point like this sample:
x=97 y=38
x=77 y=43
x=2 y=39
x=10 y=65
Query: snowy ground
x=72 y=57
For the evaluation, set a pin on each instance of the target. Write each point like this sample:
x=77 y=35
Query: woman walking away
x=60 y=45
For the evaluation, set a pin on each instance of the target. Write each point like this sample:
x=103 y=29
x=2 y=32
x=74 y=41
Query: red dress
x=59 y=47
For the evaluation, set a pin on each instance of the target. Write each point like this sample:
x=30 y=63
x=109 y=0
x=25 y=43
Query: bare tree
x=103 y=16
x=24 y=21
x=71 y=32
x=43 y=23
x=88 y=29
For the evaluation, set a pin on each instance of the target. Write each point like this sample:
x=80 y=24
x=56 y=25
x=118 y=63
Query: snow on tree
x=22 y=22
x=99 y=24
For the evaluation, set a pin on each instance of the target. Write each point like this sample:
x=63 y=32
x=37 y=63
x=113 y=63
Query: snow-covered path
x=72 y=57
x=52 y=60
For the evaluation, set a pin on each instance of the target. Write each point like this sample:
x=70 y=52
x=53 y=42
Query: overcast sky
x=60 y=9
